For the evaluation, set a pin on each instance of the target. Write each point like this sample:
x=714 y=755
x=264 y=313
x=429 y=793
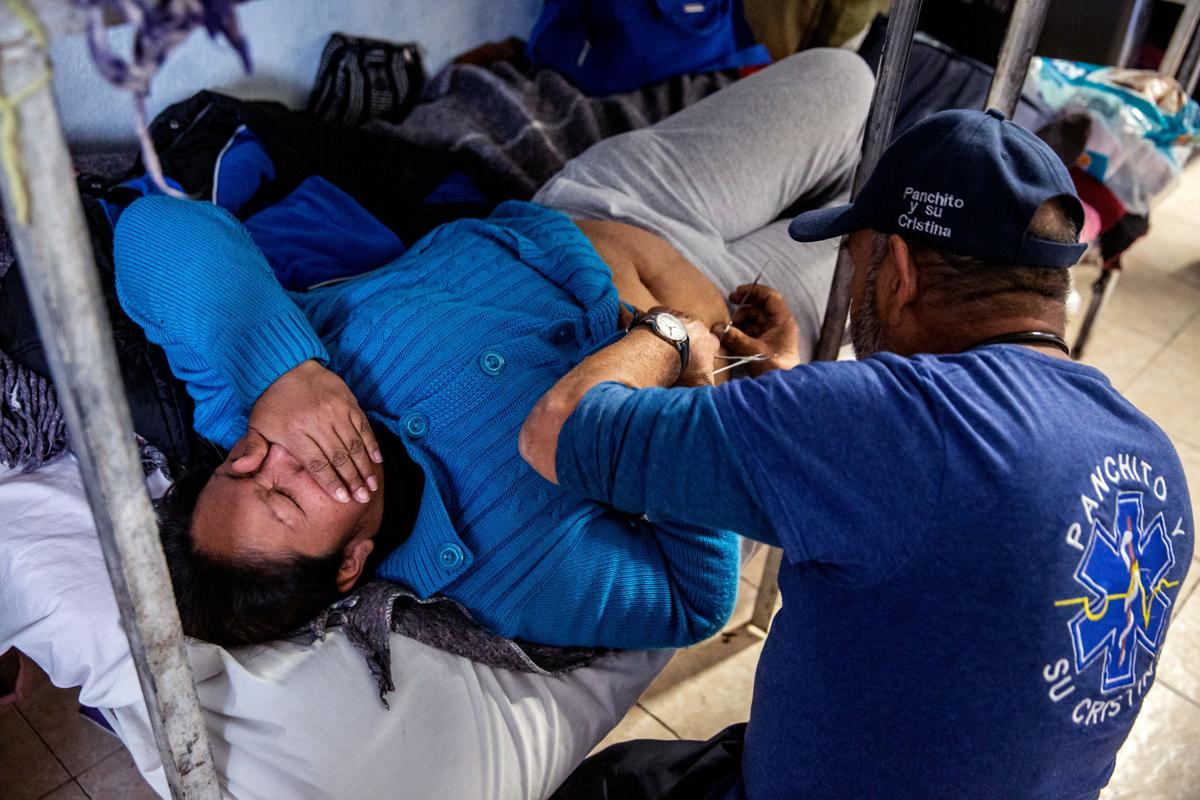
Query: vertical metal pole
x=1102 y=290
x=1135 y=30
x=46 y=222
x=768 y=590
x=889 y=80
x=1180 y=39
x=1189 y=70
x=1024 y=28
x=1192 y=79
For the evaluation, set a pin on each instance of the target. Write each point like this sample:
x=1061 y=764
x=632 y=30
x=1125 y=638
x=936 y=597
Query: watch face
x=669 y=327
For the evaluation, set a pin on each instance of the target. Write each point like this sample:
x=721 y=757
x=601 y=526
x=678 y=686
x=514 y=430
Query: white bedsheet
x=294 y=721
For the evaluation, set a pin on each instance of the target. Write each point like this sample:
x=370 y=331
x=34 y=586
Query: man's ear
x=354 y=561
x=896 y=286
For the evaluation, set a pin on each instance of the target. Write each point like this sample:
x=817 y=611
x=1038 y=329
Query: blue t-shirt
x=982 y=554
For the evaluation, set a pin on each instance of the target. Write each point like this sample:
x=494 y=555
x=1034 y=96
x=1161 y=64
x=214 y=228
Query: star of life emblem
x=1123 y=570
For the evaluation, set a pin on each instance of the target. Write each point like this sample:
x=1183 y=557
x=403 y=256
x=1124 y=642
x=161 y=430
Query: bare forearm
x=640 y=360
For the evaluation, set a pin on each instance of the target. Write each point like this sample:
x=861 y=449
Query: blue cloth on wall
x=319 y=233
x=619 y=46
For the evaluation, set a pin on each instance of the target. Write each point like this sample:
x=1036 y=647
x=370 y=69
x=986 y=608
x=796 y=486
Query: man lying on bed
x=372 y=425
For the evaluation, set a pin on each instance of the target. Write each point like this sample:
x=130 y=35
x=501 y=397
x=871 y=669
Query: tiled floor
x=47 y=750
x=1148 y=343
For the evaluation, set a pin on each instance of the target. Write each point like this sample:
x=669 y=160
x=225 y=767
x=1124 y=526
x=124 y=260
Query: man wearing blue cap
x=983 y=540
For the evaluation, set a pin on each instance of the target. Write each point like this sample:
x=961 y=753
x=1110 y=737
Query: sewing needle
x=739 y=361
x=728 y=367
x=745 y=300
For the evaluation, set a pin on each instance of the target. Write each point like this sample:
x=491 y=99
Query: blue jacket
x=449 y=347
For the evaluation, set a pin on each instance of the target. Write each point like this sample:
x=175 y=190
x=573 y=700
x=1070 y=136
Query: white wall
x=286 y=37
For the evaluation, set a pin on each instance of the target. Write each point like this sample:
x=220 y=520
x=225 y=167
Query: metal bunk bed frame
x=55 y=257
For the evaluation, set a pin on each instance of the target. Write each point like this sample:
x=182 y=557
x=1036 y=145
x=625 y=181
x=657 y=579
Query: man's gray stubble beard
x=866 y=334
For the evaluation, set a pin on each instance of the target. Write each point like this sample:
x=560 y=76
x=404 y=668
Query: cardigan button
x=451 y=555
x=491 y=362
x=416 y=425
x=563 y=333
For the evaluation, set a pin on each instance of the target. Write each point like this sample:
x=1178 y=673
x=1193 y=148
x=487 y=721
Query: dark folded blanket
x=375 y=610
x=516 y=126
x=87 y=166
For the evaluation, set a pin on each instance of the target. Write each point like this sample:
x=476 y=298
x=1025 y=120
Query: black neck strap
x=1027 y=337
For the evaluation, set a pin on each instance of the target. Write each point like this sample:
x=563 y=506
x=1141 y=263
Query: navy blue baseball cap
x=964 y=181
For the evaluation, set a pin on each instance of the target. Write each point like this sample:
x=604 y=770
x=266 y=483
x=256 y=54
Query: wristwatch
x=669 y=328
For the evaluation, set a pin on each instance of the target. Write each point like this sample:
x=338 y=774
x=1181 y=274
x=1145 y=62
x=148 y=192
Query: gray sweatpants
x=714 y=178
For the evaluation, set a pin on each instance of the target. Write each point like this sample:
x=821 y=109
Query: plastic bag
x=1144 y=124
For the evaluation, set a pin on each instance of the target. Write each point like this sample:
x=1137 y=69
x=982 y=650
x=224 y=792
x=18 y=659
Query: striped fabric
x=32 y=429
x=365 y=79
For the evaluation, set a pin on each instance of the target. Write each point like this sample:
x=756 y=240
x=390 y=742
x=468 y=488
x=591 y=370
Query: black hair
x=253 y=599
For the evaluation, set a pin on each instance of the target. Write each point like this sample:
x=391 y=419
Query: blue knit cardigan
x=449 y=347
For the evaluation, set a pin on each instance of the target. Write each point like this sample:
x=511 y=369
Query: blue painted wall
x=286 y=37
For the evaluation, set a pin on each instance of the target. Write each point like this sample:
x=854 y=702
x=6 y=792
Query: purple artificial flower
x=158 y=27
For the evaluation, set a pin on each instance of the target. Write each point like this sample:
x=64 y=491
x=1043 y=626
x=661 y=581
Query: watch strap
x=647 y=321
